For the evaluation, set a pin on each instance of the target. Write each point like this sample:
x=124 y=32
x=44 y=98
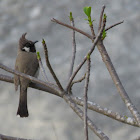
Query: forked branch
x=85 y=58
x=50 y=67
x=91 y=105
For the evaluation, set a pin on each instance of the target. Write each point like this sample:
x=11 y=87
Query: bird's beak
x=35 y=42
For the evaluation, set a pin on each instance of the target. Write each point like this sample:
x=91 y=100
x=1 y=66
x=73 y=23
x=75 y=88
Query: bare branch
x=38 y=86
x=73 y=49
x=32 y=79
x=86 y=97
x=105 y=111
x=50 y=67
x=117 y=82
x=92 y=30
x=84 y=33
x=108 y=28
x=101 y=17
x=4 y=137
x=73 y=28
x=85 y=58
x=6 y=78
x=41 y=67
x=79 y=112
x=79 y=80
x=76 y=81
x=91 y=105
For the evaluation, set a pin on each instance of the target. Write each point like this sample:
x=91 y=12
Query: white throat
x=26 y=49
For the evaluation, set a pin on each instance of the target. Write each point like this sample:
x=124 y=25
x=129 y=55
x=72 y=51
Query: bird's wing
x=16 y=79
x=32 y=68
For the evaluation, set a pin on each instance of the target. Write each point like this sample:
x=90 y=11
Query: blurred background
x=50 y=117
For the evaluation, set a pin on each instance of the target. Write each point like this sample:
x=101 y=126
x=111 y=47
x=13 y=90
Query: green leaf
x=71 y=18
x=87 y=11
x=104 y=34
x=38 y=55
x=105 y=16
x=43 y=41
x=125 y=116
x=88 y=56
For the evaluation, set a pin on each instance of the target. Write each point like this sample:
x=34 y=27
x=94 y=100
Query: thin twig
x=73 y=28
x=108 y=28
x=85 y=58
x=76 y=81
x=50 y=67
x=86 y=98
x=91 y=105
x=92 y=30
x=42 y=67
x=73 y=48
x=79 y=80
x=101 y=17
x=106 y=59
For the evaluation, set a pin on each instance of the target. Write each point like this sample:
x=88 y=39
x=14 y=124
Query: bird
x=27 y=63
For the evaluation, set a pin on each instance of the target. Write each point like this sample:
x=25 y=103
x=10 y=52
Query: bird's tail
x=22 y=108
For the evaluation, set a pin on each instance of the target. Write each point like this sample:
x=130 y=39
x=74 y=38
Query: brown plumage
x=26 y=62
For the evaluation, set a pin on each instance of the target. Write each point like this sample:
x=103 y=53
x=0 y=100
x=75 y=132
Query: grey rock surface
x=50 y=117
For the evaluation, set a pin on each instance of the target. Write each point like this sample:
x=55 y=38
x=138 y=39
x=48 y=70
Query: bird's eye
x=28 y=45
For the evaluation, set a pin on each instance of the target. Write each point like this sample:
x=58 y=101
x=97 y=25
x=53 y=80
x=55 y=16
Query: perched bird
x=26 y=62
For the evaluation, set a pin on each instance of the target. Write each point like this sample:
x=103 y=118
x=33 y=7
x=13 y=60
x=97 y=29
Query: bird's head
x=26 y=45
